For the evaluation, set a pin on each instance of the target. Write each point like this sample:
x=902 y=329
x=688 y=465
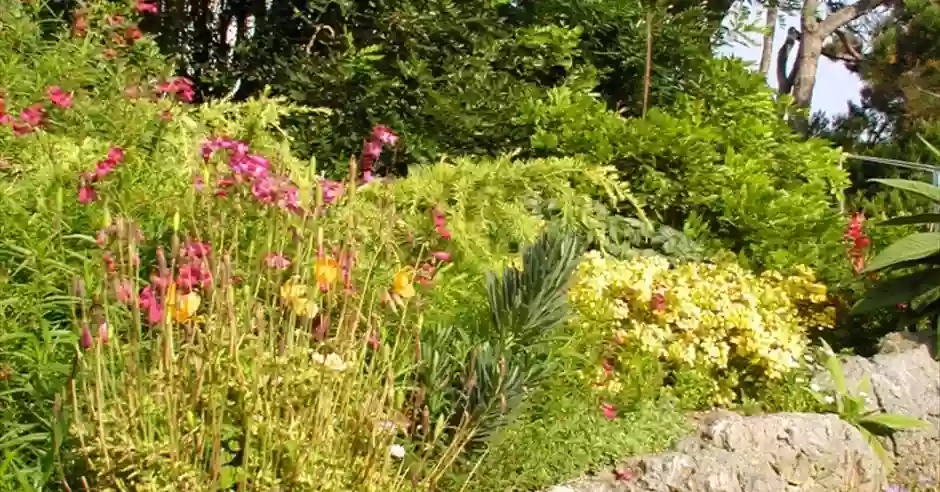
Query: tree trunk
x=807 y=58
x=808 y=62
x=768 y=43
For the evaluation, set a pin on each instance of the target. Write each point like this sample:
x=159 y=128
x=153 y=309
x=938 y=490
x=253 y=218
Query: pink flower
x=610 y=413
x=385 y=135
x=440 y=223
x=658 y=303
x=101 y=237
x=289 y=198
x=115 y=154
x=373 y=341
x=198 y=183
x=264 y=190
x=372 y=149
x=192 y=275
x=181 y=87
x=109 y=262
x=252 y=166
x=86 y=340
x=145 y=7
x=197 y=250
x=33 y=115
x=86 y=194
x=80 y=28
x=103 y=333
x=150 y=303
x=276 y=261
x=332 y=190
x=608 y=368
x=441 y=256
x=59 y=97
x=623 y=475
x=122 y=290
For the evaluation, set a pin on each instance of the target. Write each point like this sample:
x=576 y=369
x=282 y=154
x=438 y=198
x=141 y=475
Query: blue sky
x=834 y=84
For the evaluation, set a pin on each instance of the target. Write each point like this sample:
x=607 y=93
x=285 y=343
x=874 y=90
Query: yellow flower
x=182 y=307
x=403 y=285
x=326 y=270
x=293 y=289
x=294 y=294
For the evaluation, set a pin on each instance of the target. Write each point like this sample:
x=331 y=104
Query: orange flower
x=326 y=270
x=403 y=285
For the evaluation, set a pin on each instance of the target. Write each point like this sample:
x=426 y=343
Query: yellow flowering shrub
x=721 y=320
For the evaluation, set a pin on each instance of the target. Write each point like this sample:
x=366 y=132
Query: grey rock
x=768 y=453
x=905 y=380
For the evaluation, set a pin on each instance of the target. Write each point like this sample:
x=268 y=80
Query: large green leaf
x=913 y=247
x=893 y=422
x=896 y=290
x=912 y=219
x=921 y=188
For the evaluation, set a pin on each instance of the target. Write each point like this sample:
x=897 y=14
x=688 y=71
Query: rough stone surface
x=767 y=453
x=905 y=380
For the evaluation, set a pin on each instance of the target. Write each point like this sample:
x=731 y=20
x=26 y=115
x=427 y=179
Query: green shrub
x=719 y=164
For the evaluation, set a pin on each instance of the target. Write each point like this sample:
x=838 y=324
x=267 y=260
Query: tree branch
x=848 y=46
x=847 y=14
x=784 y=81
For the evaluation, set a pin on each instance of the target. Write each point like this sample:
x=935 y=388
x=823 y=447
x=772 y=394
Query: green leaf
x=227 y=478
x=911 y=220
x=917 y=187
x=894 y=421
x=912 y=316
x=834 y=366
x=893 y=291
x=878 y=448
x=913 y=247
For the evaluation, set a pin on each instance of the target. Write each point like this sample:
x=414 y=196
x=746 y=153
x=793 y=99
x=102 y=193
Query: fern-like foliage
x=525 y=307
x=528 y=303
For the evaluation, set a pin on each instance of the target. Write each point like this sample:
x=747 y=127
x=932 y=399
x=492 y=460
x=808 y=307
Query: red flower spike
x=858 y=242
x=610 y=413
